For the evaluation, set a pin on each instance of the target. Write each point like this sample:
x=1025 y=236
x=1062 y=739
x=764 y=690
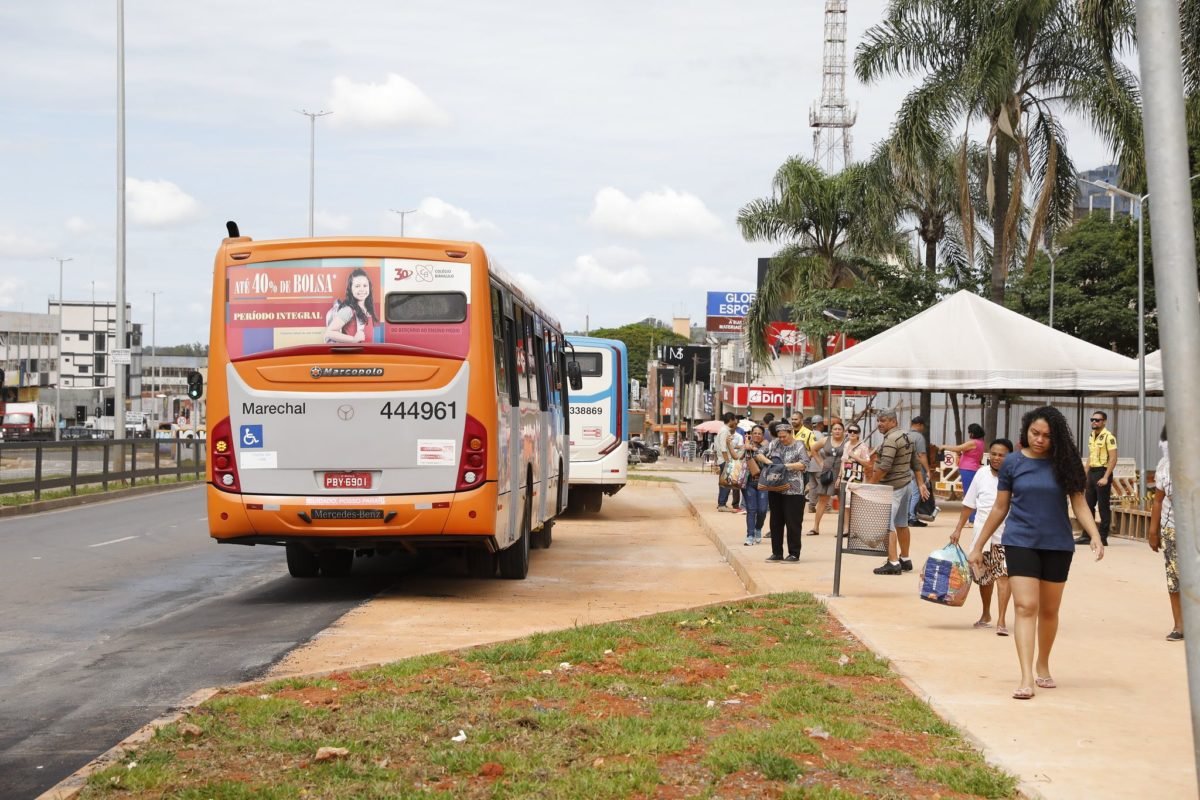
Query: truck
x=27 y=421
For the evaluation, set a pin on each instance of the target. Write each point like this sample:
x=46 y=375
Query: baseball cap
x=918 y=420
x=817 y=418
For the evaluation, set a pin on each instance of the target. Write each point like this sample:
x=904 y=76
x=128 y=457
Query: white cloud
x=158 y=203
x=724 y=279
x=662 y=214
x=10 y=290
x=328 y=222
x=611 y=269
x=397 y=102
x=21 y=245
x=79 y=226
x=437 y=219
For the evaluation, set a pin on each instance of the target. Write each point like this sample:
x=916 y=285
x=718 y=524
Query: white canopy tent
x=967 y=343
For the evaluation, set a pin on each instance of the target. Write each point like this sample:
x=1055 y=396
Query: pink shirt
x=973 y=457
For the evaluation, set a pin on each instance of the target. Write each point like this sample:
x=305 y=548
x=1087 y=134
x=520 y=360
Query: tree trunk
x=991 y=415
x=1000 y=248
x=926 y=412
x=931 y=258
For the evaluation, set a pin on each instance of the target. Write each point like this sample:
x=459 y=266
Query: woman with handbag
x=754 y=500
x=829 y=457
x=781 y=476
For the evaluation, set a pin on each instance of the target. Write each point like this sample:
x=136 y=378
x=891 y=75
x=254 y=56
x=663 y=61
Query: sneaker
x=793 y=558
x=906 y=564
x=749 y=541
x=889 y=568
x=774 y=557
x=1082 y=539
x=758 y=539
x=739 y=511
x=916 y=523
x=1175 y=636
x=722 y=508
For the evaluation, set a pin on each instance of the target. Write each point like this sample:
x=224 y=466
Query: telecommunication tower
x=831 y=117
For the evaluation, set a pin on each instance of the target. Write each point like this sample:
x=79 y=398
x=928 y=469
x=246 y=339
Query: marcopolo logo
x=345 y=372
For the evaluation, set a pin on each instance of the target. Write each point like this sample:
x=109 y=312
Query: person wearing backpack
x=352 y=318
x=786 y=500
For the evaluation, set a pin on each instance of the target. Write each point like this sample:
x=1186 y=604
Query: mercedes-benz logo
x=345 y=412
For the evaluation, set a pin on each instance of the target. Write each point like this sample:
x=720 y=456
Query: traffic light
x=195 y=385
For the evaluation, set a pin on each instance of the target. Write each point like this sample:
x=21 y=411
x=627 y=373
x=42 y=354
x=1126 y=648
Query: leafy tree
x=888 y=295
x=1095 y=286
x=1011 y=65
x=639 y=337
x=822 y=221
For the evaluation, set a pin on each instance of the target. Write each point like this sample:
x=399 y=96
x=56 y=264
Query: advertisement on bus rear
x=276 y=305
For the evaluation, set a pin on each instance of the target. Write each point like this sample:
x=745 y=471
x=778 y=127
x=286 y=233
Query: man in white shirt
x=979 y=499
x=727 y=446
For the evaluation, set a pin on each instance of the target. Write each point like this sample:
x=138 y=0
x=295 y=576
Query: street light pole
x=312 y=161
x=402 y=215
x=119 y=370
x=58 y=377
x=154 y=350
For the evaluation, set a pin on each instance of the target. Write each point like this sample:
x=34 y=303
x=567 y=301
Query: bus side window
x=510 y=356
x=540 y=381
x=500 y=352
x=531 y=378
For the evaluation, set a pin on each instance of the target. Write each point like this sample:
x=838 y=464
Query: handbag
x=774 y=477
x=733 y=474
x=835 y=456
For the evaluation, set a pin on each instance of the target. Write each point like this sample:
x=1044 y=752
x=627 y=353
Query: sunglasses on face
x=1097 y=420
x=851 y=430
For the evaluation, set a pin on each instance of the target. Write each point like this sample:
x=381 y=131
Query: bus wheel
x=302 y=562
x=514 y=561
x=336 y=563
x=593 y=500
x=576 y=501
x=545 y=536
x=480 y=563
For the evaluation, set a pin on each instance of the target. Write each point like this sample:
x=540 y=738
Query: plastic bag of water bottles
x=946 y=576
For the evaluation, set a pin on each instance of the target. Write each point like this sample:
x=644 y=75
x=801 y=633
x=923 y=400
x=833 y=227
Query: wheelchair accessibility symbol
x=251 y=436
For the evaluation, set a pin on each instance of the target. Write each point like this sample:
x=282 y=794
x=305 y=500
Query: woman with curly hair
x=1034 y=487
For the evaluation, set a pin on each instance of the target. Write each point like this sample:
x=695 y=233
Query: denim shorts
x=901 y=500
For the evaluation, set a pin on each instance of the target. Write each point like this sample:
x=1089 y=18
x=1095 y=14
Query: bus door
x=545 y=469
x=511 y=446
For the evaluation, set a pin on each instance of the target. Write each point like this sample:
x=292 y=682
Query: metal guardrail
x=35 y=467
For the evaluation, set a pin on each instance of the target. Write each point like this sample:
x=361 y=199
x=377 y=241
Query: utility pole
x=120 y=370
x=312 y=162
x=59 y=376
x=1174 y=251
x=403 y=214
x=154 y=351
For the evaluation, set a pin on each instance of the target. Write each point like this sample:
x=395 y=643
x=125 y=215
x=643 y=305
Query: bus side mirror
x=195 y=385
x=574 y=376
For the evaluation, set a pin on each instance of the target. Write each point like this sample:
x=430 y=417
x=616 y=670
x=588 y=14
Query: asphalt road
x=112 y=613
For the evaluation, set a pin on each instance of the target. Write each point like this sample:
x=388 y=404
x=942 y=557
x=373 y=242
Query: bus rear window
x=446 y=307
x=591 y=365
x=274 y=306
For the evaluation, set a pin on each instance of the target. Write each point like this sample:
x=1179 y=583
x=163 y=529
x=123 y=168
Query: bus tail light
x=472 y=468
x=223 y=458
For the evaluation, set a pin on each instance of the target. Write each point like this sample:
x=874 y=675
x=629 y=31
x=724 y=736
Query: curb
x=73 y=784
x=735 y=564
x=95 y=497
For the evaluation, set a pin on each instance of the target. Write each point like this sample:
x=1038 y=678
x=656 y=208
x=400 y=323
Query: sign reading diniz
x=758 y=396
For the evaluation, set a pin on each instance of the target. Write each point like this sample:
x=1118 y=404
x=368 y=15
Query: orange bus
x=373 y=395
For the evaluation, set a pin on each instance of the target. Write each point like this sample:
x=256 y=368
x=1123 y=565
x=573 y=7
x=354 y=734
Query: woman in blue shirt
x=1035 y=485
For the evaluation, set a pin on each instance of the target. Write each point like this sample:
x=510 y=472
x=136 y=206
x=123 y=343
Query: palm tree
x=1009 y=64
x=821 y=221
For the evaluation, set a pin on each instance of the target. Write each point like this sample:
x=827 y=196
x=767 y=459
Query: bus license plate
x=347 y=480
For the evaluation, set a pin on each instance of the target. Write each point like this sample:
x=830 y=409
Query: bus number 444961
x=419 y=410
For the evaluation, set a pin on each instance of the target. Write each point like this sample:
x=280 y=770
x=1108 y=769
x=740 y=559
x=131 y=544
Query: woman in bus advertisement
x=352 y=319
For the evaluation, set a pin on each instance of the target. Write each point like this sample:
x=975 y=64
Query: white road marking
x=114 y=541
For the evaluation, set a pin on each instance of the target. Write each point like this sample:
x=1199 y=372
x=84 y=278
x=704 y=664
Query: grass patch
x=25 y=498
x=746 y=699
x=641 y=476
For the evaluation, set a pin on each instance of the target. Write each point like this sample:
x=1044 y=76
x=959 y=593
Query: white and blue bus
x=599 y=421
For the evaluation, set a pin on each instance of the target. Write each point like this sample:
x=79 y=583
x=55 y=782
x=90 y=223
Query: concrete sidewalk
x=1118 y=725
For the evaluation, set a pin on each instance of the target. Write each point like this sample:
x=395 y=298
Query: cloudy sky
x=600 y=151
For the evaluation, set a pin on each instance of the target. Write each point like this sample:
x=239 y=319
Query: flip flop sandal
x=982 y=624
x=813 y=533
x=1024 y=693
x=1001 y=631
x=1046 y=683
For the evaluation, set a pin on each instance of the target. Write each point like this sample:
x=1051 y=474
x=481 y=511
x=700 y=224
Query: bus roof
x=594 y=341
